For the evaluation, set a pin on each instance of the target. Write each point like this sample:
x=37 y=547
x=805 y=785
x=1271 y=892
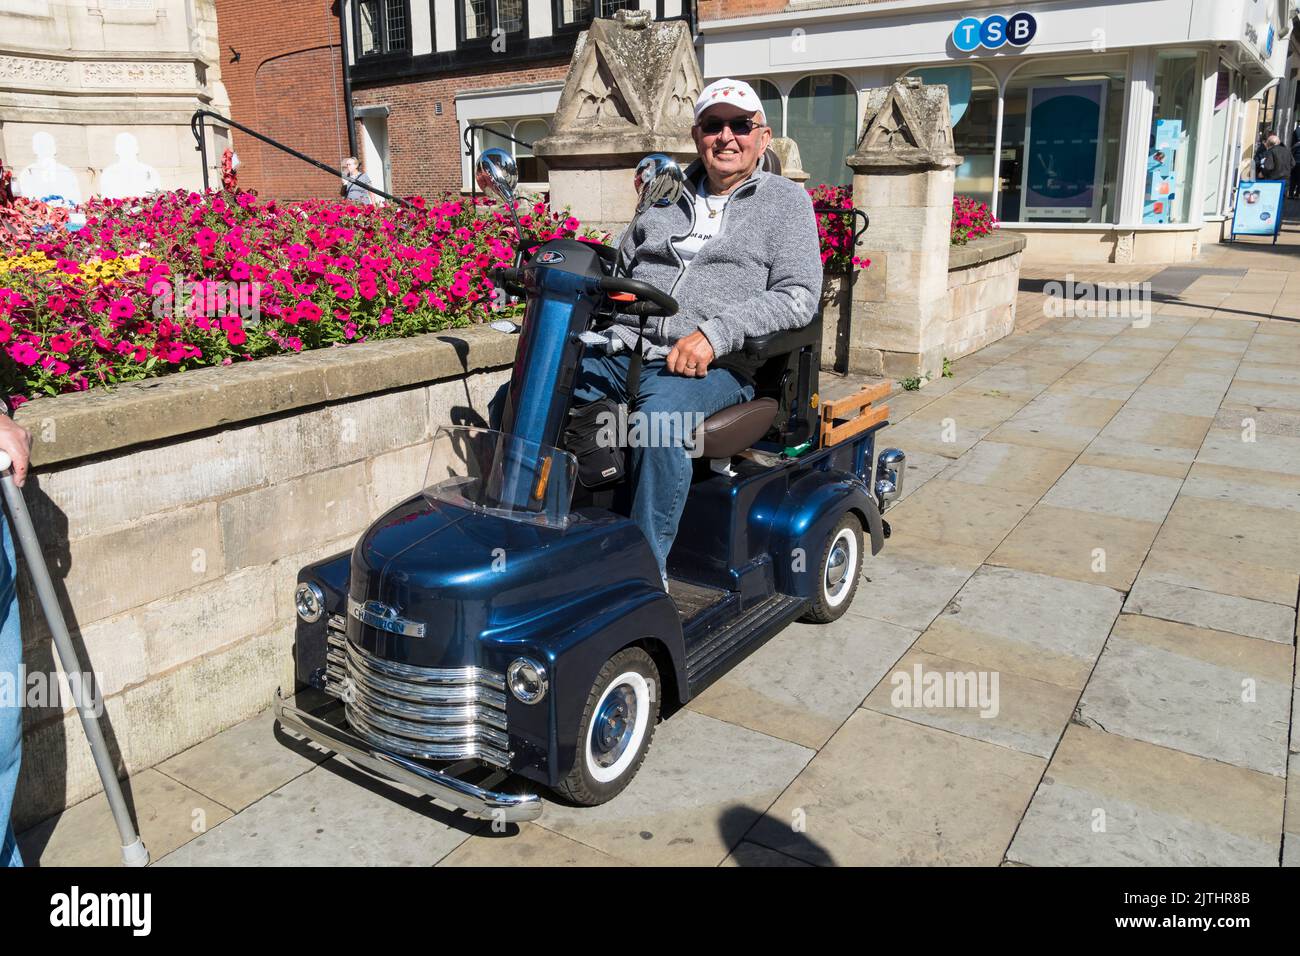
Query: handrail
x=200 y=138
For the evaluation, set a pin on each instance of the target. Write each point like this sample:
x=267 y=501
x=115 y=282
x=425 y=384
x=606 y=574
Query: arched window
x=822 y=118
x=773 y=110
x=973 y=104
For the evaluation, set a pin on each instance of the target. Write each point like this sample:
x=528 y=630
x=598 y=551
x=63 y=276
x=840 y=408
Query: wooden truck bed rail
x=843 y=418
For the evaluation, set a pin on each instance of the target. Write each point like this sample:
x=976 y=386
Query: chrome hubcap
x=613 y=725
x=837 y=566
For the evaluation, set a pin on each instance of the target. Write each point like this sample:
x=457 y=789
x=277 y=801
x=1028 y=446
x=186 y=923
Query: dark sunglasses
x=740 y=126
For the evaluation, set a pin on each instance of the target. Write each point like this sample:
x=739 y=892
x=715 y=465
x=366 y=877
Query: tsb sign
x=992 y=32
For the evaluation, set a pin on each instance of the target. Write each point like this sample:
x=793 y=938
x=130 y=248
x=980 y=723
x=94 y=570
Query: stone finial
x=633 y=19
x=630 y=90
x=907 y=124
x=787 y=151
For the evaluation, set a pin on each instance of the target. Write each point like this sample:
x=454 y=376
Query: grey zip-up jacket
x=761 y=273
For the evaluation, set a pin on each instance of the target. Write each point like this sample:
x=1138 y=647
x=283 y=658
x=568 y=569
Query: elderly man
x=739 y=253
x=16 y=442
x=1276 y=161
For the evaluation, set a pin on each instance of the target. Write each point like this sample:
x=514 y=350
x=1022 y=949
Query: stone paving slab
x=525 y=845
x=805 y=682
x=1207 y=609
x=1135 y=496
x=1079 y=545
x=334 y=815
x=1203 y=692
x=912 y=580
x=238 y=767
x=1106 y=800
x=703 y=785
x=998 y=707
x=1040 y=627
x=168 y=815
x=971 y=516
x=887 y=792
x=1018 y=468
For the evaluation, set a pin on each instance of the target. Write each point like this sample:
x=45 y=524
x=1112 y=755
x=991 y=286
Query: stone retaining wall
x=175 y=515
x=983 y=280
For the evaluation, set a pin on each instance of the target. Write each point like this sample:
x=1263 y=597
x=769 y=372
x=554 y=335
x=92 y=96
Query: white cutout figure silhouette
x=46 y=179
x=128 y=176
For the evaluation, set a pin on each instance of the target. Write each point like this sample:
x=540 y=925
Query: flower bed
x=184 y=280
x=971 y=219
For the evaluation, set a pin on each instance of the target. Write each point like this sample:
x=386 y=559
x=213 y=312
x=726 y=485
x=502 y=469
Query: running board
x=727 y=645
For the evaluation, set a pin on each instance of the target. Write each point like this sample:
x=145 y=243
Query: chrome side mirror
x=659 y=182
x=496 y=173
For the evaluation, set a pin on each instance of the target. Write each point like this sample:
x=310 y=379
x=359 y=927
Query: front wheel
x=839 y=569
x=616 y=727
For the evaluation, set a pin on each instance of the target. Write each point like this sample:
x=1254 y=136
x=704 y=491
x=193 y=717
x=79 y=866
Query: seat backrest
x=789 y=371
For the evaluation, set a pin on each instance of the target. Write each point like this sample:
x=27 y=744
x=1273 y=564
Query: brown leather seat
x=736 y=427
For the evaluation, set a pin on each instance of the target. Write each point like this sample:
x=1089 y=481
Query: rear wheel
x=617 y=725
x=839 y=570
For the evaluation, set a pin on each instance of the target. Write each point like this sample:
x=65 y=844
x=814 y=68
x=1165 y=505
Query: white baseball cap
x=736 y=92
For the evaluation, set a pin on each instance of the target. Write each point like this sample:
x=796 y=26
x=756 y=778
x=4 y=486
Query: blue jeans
x=11 y=711
x=662 y=473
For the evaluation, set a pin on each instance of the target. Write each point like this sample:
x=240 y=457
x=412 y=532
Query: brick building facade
x=288 y=84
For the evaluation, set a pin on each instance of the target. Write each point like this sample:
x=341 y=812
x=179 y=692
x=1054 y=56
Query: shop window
x=1061 y=136
x=822 y=117
x=973 y=103
x=1220 y=151
x=1171 y=153
x=482 y=19
x=380 y=26
x=773 y=110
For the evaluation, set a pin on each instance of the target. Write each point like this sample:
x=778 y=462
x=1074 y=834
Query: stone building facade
x=96 y=95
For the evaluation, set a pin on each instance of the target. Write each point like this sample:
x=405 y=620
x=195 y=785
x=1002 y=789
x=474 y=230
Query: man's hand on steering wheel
x=691 y=356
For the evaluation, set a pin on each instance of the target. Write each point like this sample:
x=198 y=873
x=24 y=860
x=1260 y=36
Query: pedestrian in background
x=352 y=178
x=16 y=442
x=1276 y=161
x=1293 y=192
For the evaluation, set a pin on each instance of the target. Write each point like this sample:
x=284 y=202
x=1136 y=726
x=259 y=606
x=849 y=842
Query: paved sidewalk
x=1103 y=515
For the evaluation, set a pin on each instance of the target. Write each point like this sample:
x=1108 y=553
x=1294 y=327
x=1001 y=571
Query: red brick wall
x=425 y=149
x=287 y=84
x=726 y=9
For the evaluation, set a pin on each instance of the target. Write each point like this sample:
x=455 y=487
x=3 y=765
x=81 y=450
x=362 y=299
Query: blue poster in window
x=1259 y=208
x=1063 y=150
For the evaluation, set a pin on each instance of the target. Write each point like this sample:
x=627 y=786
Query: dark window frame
x=493 y=9
x=385 y=50
x=559 y=26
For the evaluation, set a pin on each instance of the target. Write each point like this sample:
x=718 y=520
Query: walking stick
x=133 y=849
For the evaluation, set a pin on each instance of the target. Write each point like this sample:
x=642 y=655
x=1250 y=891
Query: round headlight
x=310 y=602
x=527 y=680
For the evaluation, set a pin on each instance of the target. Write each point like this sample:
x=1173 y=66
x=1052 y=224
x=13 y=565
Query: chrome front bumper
x=475 y=801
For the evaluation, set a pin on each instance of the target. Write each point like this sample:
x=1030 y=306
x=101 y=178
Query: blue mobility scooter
x=509 y=621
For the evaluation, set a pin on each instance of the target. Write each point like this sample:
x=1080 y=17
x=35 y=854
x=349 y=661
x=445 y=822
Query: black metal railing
x=198 y=129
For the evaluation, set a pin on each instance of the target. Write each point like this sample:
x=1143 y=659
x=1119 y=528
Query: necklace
x=713 y=213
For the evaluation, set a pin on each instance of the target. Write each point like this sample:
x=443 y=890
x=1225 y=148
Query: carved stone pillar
x=903 y=178
x=630 y=90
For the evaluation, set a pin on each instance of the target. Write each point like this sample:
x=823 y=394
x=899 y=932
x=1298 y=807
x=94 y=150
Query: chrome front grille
x=426 y=712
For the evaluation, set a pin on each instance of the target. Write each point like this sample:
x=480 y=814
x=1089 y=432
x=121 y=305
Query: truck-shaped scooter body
x=510 y=622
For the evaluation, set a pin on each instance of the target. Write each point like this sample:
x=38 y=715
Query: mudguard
x=815 y=503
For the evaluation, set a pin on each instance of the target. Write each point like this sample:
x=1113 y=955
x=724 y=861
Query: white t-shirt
x=706 y=225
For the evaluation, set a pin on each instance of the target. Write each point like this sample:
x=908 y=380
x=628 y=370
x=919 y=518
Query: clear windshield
x=488 y=470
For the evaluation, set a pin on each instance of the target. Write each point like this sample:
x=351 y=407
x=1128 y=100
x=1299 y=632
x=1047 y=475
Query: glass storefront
x=1061 y=133
x=1171 y=154
x=773 y=111
x=823 y=119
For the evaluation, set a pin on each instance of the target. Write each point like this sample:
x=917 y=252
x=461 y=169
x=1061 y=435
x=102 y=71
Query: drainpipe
x=347 y=80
